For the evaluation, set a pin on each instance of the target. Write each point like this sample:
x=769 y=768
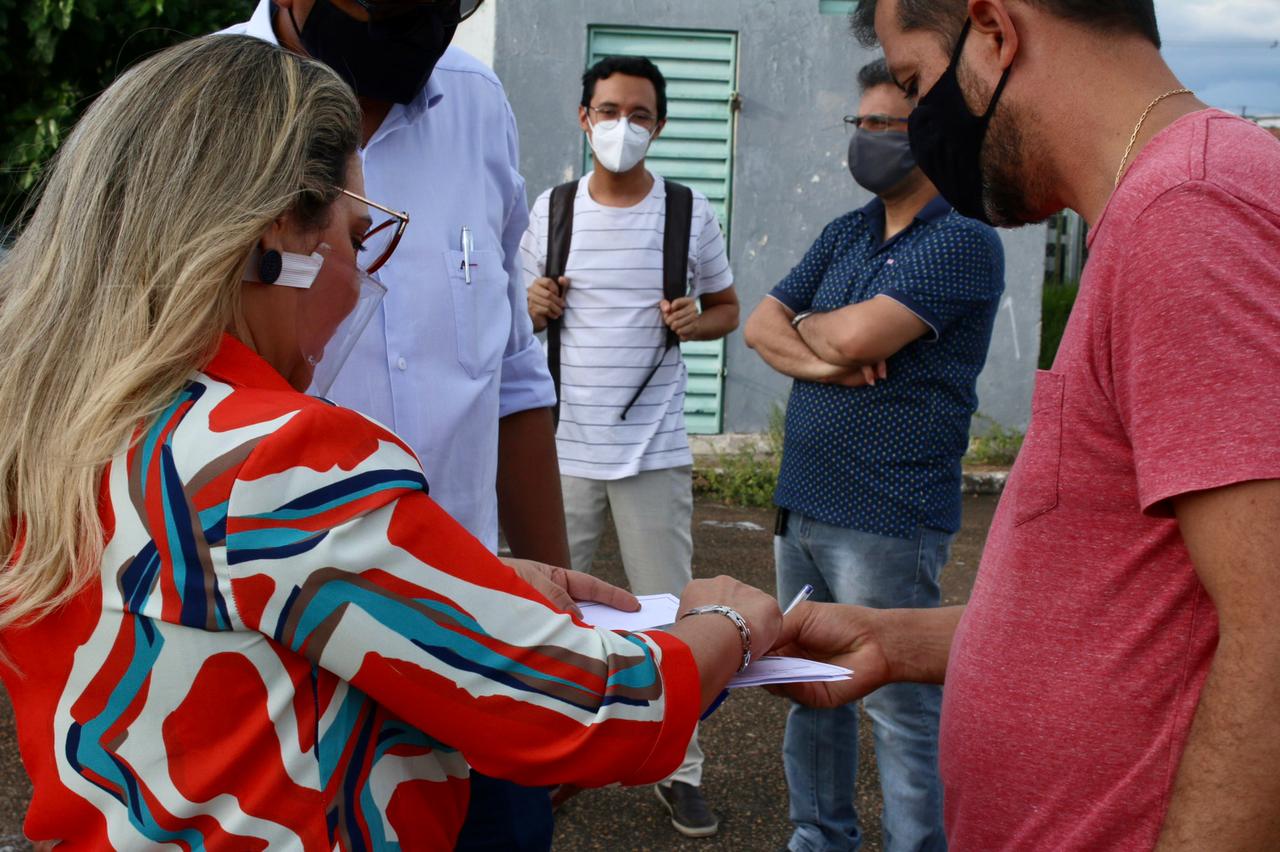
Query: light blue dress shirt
x=443 y=360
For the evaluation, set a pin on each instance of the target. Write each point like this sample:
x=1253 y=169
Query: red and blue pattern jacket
x=293 y=647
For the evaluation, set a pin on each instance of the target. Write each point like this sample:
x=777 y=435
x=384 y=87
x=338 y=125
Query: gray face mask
x=880 y=161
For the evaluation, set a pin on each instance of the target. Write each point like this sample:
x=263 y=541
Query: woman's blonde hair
x=129 y=270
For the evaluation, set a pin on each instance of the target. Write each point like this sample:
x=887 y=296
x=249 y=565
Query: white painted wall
x=477 y=34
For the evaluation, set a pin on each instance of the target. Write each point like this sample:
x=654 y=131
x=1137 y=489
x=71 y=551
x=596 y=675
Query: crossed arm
x=846 y=347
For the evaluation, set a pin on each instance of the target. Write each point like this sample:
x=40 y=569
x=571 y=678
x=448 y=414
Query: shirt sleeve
x=950 y=274
x=533 y=246
x=798 y=289
x=711 y=271
x=1194 y=344
x=335 y=551
x=525 y=381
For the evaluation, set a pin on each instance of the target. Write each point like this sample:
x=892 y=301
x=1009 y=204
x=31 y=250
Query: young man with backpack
x=619 y=264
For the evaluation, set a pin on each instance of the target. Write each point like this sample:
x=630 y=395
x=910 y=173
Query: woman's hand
x=759 y=609
x=562 y=587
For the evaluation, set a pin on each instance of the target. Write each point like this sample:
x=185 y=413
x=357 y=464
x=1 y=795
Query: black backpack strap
x=559 y=236
x=675 y=243
x=676 y=234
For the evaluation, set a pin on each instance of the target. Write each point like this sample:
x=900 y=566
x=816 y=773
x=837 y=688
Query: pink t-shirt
x=1078 y=665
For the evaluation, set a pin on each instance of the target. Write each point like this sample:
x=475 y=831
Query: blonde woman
x=231 y=616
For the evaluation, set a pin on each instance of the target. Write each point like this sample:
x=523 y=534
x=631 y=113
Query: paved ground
x=743 y=779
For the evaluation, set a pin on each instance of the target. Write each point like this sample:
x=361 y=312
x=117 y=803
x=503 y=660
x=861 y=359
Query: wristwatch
x=795 y=320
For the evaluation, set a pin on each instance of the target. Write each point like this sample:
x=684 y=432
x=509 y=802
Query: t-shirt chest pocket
x=1038 y=469
x=481 y=310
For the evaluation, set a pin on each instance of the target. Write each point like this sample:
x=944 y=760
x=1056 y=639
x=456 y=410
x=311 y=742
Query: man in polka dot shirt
x=884 y=325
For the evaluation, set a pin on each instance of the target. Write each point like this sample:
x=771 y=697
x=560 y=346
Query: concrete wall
x=796 y=78
x=476 y=35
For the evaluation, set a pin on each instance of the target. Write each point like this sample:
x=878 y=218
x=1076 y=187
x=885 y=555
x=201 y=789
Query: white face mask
x=296 y=270
x=618 y=146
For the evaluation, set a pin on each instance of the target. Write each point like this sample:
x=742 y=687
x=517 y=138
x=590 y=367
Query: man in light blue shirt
x=450 y=362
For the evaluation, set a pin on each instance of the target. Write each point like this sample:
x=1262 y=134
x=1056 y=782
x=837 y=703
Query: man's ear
x=658 y=128
x=995 y=28
x=582 y=119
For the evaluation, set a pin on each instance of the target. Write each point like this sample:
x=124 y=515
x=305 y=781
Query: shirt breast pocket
x=481 y=311
x=1040 y=460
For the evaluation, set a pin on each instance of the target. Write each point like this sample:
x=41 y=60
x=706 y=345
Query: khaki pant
x=652 y=513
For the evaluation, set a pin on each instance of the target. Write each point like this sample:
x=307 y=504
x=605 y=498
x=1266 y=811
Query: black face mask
x=947 y=139
x=388 y=60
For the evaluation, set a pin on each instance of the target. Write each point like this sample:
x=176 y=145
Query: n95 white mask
x=618 y=145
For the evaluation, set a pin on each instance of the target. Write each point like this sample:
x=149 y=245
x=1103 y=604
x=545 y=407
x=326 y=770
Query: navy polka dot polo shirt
x=886 y=459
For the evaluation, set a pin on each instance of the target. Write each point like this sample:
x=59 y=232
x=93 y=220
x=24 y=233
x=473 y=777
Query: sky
x=1228 y=51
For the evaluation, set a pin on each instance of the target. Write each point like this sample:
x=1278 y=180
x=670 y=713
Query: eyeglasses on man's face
x=455 y=11
x=876 y=122
x=641 y=118
x=379 y=242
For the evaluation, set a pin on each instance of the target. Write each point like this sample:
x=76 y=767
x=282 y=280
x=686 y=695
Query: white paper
x=657 y=611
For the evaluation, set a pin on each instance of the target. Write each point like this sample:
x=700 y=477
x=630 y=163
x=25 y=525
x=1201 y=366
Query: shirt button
x=402 y=364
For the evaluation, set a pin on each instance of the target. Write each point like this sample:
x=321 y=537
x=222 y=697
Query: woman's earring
x=269 y=266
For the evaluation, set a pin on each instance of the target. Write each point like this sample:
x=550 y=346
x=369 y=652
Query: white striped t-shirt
x=613 y=334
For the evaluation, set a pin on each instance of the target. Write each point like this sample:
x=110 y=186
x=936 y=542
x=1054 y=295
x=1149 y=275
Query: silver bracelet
x=738 y=621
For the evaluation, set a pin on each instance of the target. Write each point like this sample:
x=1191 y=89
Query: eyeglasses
x=379 y=242
x=876 y=122
x=380 y=10
x=640 y=118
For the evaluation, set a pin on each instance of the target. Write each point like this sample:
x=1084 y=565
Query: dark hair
x=632 y=66
x=875 y=74
x=946 y=17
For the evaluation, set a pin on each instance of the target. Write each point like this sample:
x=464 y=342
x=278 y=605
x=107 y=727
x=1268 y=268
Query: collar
x=239 y=366
x=260 y=25
x=429 y=96
x=873 y=212
x=934 y=210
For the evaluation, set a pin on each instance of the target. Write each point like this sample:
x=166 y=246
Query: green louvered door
x=696 y=149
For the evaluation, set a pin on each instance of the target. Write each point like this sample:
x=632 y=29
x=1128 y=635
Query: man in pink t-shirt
x=1114 y=682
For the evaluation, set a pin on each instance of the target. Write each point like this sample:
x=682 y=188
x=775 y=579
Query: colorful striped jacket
x=293 y=647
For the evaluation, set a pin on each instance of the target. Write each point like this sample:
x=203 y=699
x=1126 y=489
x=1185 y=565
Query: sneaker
x=689 y=812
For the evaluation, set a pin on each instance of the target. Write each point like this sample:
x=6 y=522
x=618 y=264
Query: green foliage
x=1056 y=308
x=995 y=446
x=56 y=55
x=746 y=477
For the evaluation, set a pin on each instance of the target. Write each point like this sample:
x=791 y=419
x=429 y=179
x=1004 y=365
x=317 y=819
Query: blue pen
x=802 y=595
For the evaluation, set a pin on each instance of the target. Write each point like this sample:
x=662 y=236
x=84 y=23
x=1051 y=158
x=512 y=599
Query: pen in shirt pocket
x=467 y=245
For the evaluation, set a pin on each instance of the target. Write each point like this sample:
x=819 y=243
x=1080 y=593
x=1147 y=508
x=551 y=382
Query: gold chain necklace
x=1137 y=129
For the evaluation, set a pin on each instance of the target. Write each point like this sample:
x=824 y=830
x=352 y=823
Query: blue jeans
x=820 y=751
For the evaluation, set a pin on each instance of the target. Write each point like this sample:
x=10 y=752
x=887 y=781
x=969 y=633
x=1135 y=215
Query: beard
x=1013 y=191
